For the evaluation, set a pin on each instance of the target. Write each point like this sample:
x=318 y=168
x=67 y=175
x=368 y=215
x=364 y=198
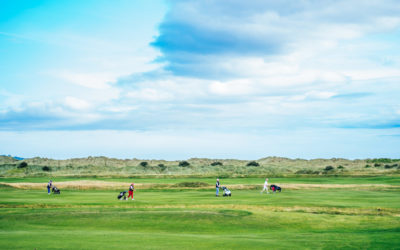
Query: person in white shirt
x=265 y=186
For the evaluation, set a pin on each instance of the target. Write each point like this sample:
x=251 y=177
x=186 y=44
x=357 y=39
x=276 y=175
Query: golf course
x=184 y=213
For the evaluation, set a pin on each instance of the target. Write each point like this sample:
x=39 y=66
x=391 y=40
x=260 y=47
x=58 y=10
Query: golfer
x=49 y=185
x=131 y=189
x=217 y=187
x=265 y=186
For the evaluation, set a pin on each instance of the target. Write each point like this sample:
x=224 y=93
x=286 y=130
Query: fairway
x=196 y=219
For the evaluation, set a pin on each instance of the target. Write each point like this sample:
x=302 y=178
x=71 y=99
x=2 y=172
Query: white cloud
x=150 y=94
x=320 y=94
x=88 y=80
x=76 y=103
x=232 y=87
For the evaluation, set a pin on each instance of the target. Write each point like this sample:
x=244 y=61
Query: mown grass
x=196 y=219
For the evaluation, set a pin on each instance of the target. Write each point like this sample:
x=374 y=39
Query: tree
x=162 y=167
x=184 y=164
x=253 y=164
x=328 y=168
x=216 y=163
x=22 y=165
x=46 y=168
x=144 y=164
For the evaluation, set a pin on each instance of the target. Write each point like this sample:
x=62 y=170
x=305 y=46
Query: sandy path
x=86 y=184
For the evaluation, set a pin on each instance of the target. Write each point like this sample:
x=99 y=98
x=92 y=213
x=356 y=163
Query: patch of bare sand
x=82 y=184
x=104 y=185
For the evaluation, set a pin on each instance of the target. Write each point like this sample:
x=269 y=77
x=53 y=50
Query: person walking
x=217 y=187
x=131 y=189
x=49 y=185
x=265 y=186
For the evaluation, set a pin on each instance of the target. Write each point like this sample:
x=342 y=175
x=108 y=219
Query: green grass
x=196 y=219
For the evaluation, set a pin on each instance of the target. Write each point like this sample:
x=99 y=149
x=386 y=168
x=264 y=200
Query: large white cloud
x=242 y=65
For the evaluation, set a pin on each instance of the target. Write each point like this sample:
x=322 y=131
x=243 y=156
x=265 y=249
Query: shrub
x=184 y=164
x=162 y=167
x=304 y=171
x=367 y=166
x=328 y=168
x=144 y=164
x=340 y=167
x=22 y=165
x=377 y=165
x=46 y=168
x=253 y=164
x=216 y=163
x=381 y=160
x=388 y=166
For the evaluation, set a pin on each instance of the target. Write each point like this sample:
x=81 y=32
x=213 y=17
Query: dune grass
x=196 y=219
x=271 y=166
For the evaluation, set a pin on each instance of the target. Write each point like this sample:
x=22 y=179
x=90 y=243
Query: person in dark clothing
x=49 y=185
x=217 y=187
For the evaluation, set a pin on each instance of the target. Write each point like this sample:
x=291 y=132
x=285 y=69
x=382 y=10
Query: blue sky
x=218 y=79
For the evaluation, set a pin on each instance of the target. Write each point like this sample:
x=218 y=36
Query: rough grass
x=271 y=166
x=328 y=218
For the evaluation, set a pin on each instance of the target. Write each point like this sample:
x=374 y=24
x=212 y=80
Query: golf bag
x=275 y=188
x=122 y=195
x=56 y=190
x=227 y=192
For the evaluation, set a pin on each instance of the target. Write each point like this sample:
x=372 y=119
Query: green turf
x=196 y=219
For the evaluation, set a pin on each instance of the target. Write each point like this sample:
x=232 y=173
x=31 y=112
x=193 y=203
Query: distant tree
x=144 y=164
x=328 y=168
x=340 y=167
x=162 y=167
x=377 y=165
x=22 y=165
x=367 y=166
x=216 y=163
x=46 y=168
x=184 y=164
x=252 y=164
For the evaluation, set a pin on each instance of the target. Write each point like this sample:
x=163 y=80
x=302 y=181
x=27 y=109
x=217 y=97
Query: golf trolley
x=275 y=188
x=56 y=190
x=227 y=192
x=122 y=195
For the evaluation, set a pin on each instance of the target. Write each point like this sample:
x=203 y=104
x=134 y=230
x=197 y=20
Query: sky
x=216 y=78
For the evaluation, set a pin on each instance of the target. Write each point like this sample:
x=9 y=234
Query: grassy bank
x=271 y=166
